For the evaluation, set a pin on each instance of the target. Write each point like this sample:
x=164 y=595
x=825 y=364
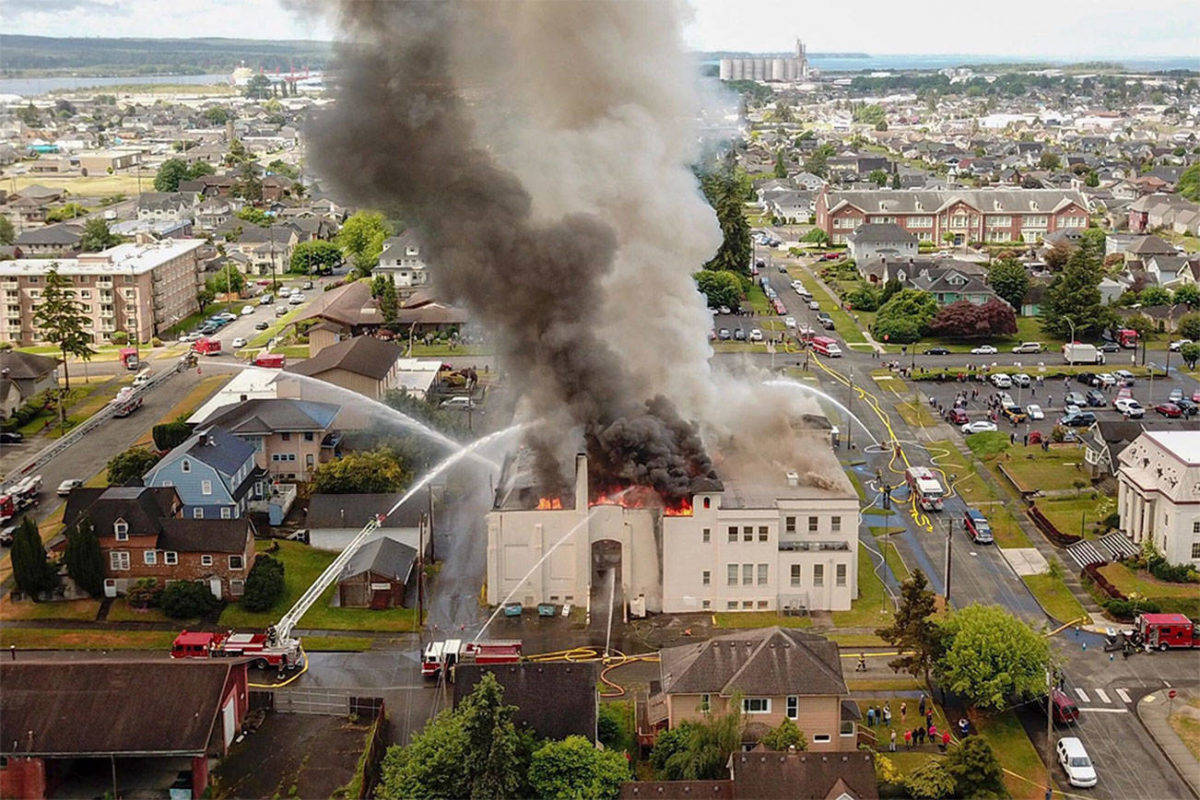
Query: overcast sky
x=1109 y=29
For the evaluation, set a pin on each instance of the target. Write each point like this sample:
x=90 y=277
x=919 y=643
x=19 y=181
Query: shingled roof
x=769 y=661
x=362 y=355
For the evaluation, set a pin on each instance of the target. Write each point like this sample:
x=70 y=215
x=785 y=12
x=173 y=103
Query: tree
x=1189 y=183
x=170 y=435
x=865 y=298
x=226 y=280
x=964 y=319
x=62 y=321
x=913 y=632
x=667 y=744
x=389 y=304
x=204 y=297
x=8 y=233
x=710 y=742
x=279 y=167
x=575 y=768
x=1092 y=179
x=127 y=468
x=264 y=584
x=84 y=561
x=254 y=215
x=188 y=599
x=720 y=287
x=1009 y=280
x=726 y=194
x=97 y=236
x=975 y=769
x=1190 y=353
x=1188 y=327
x=895 y=180
x=361 y=239
x=1154 y=296
x=32 y=571
x=316 y=256
x=780 y=165
x=878 y=177
x=816 y=236
x=66 y=211
x=930 y=781
x=992 y=658
x=870 y=114
x=784 y=737
x=905 y=316
x=169 y=174
x=472 y=751
x=1188 y=294
x=238 y=154
x=1057 y=256
x=248 y=186
x=1049 y=161
x=1073 y=298
x=258 y=87
x=217 y=115
x=362 y=472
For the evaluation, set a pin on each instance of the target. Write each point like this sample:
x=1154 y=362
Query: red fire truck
x=1167 y=630
x=1127 y=338
x=826 y=346
x=271 y=360
x=207 y=347
x=129 y=357
x=444 y=655
x=19 y=496
x=925 y=487
x=265 y=649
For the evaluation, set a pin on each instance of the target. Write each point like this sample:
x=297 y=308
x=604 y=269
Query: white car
x=979 y=426
x=814 y=305
x=984 y=350
x=1035 y=411
x=789 y=322
x=295 y=299
x=1130 y=407
x=66 y=486
x=756 y=335
x=1000 y=380
x=247 y=310
x=1178 y=343
x=459 y=401
x=1075 y=762
x=1022 y=380
x=1107 y=379
x=239 y=341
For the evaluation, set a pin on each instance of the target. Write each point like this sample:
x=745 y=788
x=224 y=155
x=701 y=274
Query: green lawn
x=1025 y=774
x=85 y=639
x=916 y=414
x=191 y=322
x=1054 y=597
x=1005 y=529
x=261 y=339
x=302 y=566
x=759 y=619
x=872 y=609
x=1183 y=598
x=895 y=561
x=842 y=322
x=1029 y=329
x=77 y=610
x=1060 y=467
x=967 y=482
x=984 y=445
x=1078 y=515
x=293 y=350
x=757 y=300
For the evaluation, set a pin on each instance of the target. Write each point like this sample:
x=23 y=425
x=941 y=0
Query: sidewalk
x=1153 y=710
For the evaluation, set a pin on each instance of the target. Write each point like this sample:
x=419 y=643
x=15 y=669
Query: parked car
x=1178 y=343
x=295 y=300
x=1124 y=377
x=1110 y=347
x=1078 y=419
x=1129 y=407
x=1096 y=398
x=66 y=486
x=739 y=335
x=724 y=334
x=1074 y=399
x=937 y=351
x=7 y=533
x=458 y=401
x=1075 y=762
x=307 y=285
x=789 y=322
x=979 y=426
x=1001 y=381
x=1035 y=411
x=239 y=341
x=247 y=310
x=1188 y=408
x=1014 y=414
x=1107 y=379
x=1086 y=378
x=815 y=306
x=1028 y=347
x=977 y=526
x=1022 y=380
x=280 y=310
x=262 y=325
x=266 y=299
x=959 y=417
x=1175 y=394
x=1169 y=410
x=756 y=335
x=984 y=350
x=11 y=437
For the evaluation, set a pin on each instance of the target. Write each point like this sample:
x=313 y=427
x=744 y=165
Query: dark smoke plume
x=398 y=138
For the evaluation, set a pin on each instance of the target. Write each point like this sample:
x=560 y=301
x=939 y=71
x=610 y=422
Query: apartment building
x=141 y=289
x=967 y=215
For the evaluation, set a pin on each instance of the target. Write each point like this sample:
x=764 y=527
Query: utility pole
x=949 y=545
x=421 y=571
x=1049 y=719
x=849 y=414
x=431 y=539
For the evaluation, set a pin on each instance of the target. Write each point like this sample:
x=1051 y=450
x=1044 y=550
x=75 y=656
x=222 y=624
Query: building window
x=121 y=530
x=812 y=524
x=206 y=561
x=835 y=523
x=789 y=524
x=287 y=437
x=748 y=533
x=237 y=562
x=747 y=604
x=733 y=533
x=1196 y=527
x=205 y=487
x=149 y=557
x=747 y=574
x=1195 y=549
x=818 y=574
x=731 y=605
x=706 y=604
x=707 y=502
x=118 y=559
x=762 y=533
x=847 y=728
x=237 y=587
x=197 y=513
x=763 y=603
x=840 y=575
x=756 y=705
x=705 y=578
x=170 y=558
x=185 y=466
x=226 y=512
x=795 y=574
x=705 y=703
x=706 y=535
x=762 y=574
x=731 y=574
x=821 y=738
x=793 y=706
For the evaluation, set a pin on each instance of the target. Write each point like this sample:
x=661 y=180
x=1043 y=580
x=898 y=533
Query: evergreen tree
x=61 y=320
x=913 y=631
x=1010 y=280
x=85 y=563
x=975 y=769
x=1073 y=298
x=780 y=165
x=32 y=571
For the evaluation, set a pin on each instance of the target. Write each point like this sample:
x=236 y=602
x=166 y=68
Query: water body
x=29 y=87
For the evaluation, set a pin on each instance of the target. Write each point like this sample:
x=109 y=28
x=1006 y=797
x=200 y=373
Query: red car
x=1169 y=410
x=959 y=417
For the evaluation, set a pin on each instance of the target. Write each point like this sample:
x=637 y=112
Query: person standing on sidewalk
x=892 y=743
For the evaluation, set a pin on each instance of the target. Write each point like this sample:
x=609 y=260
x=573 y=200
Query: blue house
x=214 y=474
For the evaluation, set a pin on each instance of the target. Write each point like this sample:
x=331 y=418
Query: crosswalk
x=1109 y=547
x=1097 y=698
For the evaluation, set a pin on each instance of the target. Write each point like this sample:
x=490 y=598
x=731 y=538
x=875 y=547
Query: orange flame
x=549 y=504
x=644 y=497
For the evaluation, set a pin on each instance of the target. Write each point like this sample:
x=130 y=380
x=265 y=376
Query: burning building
x=762 y=537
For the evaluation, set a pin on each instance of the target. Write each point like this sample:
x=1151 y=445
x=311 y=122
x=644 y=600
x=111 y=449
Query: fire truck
x=1127 y=338
x=445 y=655
x=275 y=647
x=207 y=347
x=126 y=402
x=925 y=488
x=1166 y=631
x=129 y=357
x=20 y=497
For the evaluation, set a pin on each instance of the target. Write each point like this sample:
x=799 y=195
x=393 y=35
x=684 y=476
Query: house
x=1144 y=247
x=950 y=283
x=65 y=237
x=173 y=715
x=25 y=375
x=762 y=774
x=792 y=205
x=143 y=533
x=362 y=364
x=1158 y=493
x=214 y=473
x=401 y=261
x=779 y=673
x=575 y=707
x=377 y=575
x=159 y=206
x=880 y=240
x=288 y=437
x=333 y=520
x=1105 y=440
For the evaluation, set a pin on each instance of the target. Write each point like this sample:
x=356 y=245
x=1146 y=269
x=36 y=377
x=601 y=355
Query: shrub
x=119 y=337
x=155 y=341
x=187 y=599
x=264 y=584
x=1128 y=609
x=145 y=593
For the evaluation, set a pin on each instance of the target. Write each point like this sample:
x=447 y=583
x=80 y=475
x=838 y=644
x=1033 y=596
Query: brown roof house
x=363 y=364
x=23 y=375
x=777 y=673
x=765 y=774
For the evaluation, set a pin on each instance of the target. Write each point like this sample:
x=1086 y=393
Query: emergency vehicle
x=446 y=654
x=925 y=487
x=265 y=649
x=826 y=346
x=1167 y=630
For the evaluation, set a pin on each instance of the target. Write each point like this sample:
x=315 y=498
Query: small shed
x=377 y=575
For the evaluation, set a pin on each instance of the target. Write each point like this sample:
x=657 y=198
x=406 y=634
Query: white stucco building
x=1158 y=493
x=763 y=538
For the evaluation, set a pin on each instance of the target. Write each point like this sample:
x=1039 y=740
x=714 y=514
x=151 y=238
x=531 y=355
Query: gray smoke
x=547 y=285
